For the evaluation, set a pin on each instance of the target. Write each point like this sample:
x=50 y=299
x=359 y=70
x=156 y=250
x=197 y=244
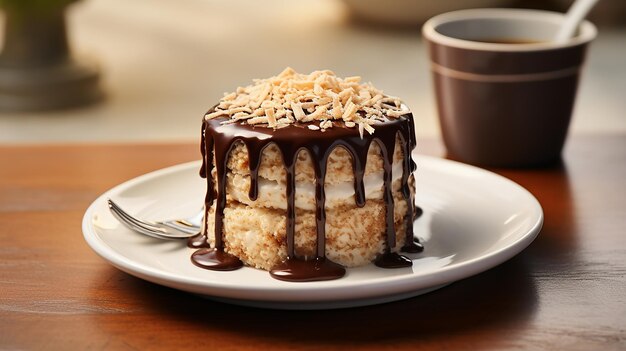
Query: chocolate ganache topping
x=219 y=135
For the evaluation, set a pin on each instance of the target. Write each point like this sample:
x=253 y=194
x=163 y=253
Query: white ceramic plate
x=473 y=220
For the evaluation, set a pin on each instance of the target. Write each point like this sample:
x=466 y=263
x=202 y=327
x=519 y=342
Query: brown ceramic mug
x=505 y=92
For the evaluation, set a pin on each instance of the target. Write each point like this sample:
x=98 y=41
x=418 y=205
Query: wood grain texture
x=566 y=291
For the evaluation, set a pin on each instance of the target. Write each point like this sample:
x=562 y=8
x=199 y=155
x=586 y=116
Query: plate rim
x=288 y=292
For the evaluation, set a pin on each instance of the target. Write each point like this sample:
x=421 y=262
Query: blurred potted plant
x=37 y=71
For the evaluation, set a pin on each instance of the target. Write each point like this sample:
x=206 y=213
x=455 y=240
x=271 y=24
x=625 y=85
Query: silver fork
x=173 y=229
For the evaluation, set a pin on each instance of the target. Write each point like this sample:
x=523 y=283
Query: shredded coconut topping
x=321 y=96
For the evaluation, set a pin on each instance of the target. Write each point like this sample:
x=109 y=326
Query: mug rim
x=587 y=30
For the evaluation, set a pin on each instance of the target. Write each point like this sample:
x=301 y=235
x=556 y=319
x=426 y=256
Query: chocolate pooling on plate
x=315 y=113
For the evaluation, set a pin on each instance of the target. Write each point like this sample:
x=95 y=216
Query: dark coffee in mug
x=508 y=41
x=504 y=105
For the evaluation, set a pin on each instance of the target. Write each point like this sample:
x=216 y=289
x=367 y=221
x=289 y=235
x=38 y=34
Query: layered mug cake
x=307 y=175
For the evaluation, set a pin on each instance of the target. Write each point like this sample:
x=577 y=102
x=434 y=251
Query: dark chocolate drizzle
x=216 y=260
x=217 y=141
x=298 y=270
x=198 y=241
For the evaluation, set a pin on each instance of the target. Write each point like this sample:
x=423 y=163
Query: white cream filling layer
x=272 y=193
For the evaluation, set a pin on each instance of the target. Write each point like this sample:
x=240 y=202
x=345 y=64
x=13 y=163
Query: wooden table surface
x=566 y=291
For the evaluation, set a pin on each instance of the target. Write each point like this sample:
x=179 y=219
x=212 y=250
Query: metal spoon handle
x=576 y=13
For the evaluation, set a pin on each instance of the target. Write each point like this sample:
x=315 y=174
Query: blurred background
x=159 y=65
